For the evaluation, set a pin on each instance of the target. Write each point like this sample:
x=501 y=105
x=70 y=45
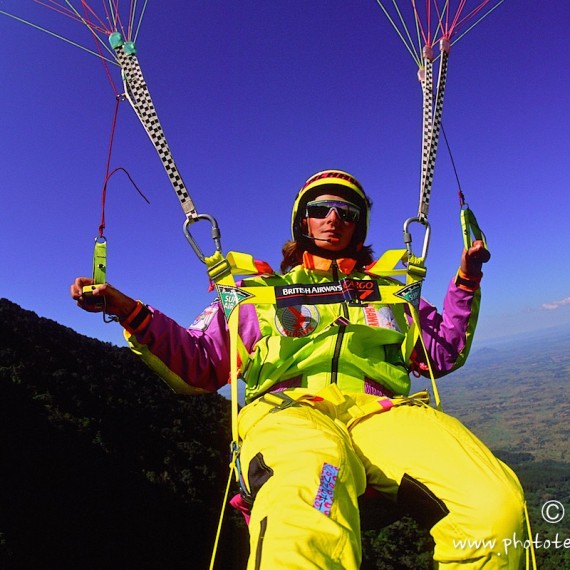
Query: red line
x=104 y=192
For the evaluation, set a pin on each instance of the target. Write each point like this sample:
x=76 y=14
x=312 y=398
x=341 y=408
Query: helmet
x=338 y=183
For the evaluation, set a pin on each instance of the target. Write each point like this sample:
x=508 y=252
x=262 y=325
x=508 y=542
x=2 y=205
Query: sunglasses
x=321 y=209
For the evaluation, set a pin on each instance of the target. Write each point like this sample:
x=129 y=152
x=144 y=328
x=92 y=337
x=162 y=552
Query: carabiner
x=408 y=237
x=216 y=235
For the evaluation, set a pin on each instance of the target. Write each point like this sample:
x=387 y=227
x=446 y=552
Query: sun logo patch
x=297 y=320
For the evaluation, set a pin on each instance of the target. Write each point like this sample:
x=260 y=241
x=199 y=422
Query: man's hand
x=473 y=258
x=114 y=302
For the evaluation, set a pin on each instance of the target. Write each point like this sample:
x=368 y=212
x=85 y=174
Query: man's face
x=331 y=232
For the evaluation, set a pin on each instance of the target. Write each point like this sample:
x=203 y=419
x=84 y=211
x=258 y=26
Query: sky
x=254 y=97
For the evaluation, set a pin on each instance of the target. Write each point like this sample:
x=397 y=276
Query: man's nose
x=333 y=215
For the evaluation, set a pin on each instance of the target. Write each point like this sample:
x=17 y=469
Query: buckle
x=279 y=401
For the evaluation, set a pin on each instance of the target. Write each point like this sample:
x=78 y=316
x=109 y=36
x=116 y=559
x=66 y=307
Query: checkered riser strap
x=429 y=162
x=139 y=97
x=427 y=87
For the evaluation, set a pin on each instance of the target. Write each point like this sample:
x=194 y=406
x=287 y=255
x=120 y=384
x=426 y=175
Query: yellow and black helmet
x=338 y=183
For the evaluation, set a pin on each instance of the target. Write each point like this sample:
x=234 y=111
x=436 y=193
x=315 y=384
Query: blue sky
x=255 y=96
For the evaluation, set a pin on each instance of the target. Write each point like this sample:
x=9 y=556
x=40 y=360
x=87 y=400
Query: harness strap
x=224 y=280
x=386 y=264
x=389 y=295
x=230 y=299
x=530 y=552
x=418 y=335
x=415 y=273
x=220 y=522
x=332 y=401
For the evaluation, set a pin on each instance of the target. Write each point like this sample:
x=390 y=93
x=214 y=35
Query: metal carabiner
x=216 y=235
x=408 y=237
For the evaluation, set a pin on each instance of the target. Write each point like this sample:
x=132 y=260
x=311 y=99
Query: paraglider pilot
x=328 y=411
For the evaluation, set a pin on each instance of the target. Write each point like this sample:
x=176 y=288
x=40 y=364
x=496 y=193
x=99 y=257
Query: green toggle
x=100 y=262
x=470 y=228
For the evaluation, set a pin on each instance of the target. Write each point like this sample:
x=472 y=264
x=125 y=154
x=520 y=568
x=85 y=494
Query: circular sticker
x=297 y=320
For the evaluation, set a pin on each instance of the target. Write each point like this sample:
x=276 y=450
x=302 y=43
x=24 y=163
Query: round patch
x=297 y=320
x=202 y=322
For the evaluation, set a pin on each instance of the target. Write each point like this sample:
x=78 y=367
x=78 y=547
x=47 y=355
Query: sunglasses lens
x=318 y=211
x=346 y=211
x=349 y=214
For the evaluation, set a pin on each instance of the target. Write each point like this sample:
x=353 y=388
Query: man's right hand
x=114 y=302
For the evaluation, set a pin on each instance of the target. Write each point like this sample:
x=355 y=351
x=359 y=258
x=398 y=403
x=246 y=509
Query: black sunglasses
x=321 y=209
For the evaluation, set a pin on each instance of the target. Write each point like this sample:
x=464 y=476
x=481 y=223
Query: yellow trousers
x=306 y=462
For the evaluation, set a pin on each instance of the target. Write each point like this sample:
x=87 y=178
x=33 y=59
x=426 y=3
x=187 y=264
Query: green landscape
x=104 y=467
x=515 y=395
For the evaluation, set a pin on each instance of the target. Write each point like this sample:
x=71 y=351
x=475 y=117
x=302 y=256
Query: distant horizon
x=528 y=334
x=478 y=344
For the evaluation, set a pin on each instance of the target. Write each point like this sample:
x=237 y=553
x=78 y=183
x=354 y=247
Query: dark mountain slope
x=101 y=464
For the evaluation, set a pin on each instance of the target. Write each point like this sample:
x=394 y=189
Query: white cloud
x=556 y=304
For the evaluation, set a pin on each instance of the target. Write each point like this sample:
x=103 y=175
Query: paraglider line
x=409 y=46
x=452 y=161
x=477 y=22
x=140 y=21
x=108 y=174
x=114 y=62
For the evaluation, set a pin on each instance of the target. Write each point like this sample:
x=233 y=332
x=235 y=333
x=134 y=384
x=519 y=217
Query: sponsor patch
x=231 y=297
x=411 y=293
x=351 y=290
x=357 y=290
x=382 y=318
x=325 y=495
x=297 y=320
x=202 y=321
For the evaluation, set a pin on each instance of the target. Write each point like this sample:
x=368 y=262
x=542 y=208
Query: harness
x=222 y=269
